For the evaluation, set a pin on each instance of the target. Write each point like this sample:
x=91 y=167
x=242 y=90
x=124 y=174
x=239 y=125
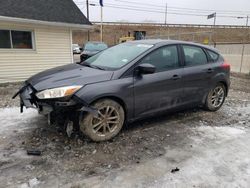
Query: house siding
x=52 y=47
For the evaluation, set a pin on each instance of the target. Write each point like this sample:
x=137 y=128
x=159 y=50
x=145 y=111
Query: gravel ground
x=209 y=149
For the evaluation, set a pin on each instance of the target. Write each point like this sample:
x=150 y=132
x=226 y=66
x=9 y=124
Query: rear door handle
x=176 y=77
x=210 y=70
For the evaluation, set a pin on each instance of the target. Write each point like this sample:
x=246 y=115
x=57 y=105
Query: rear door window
x=194 y=55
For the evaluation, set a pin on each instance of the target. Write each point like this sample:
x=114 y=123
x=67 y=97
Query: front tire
x=216 y=97
x=107 y=124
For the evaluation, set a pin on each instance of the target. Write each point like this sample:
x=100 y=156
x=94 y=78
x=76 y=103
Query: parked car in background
x=76 y=49
x=92 y=48
x=127 y=82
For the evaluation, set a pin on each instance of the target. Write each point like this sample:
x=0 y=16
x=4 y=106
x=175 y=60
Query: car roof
x=166 y=42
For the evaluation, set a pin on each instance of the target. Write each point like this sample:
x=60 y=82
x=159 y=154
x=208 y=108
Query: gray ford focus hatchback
x=127 y=82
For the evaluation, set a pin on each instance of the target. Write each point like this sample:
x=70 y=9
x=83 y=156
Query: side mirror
x=146 y=68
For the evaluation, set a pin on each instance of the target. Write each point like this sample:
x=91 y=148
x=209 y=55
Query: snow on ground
x=206 y=164
x=208 y=154
x=13 y=120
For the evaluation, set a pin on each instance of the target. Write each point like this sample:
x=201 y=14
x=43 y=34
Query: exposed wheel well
x=220 y=82
x=117 y=99
x=226 y=86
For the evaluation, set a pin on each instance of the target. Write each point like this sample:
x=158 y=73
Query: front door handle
x=176 y=77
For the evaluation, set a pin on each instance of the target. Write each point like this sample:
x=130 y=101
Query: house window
x=16 y=39
x=5 y=39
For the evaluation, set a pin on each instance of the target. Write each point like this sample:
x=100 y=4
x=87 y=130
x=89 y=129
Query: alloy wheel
x=106 y=122
x=217 y=96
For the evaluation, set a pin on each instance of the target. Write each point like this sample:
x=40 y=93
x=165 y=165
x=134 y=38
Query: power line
x=153 y=11
x=182 y=8
x=145 y=10
x=143 y=4
x=169 y=12
x=187 y=10
x=136 y=8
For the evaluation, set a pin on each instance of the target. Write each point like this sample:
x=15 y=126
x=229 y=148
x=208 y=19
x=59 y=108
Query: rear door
x=162 y=89
x=197 y=73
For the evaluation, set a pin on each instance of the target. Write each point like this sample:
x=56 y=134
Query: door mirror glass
x=146 y=68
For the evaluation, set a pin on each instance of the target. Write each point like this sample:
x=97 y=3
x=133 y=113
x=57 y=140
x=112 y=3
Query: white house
x=36 y=35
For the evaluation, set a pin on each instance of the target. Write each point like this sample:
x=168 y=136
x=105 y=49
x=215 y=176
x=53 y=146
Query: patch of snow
x=220 y=132
x=24 y=185
x=13 y=120
x=33 y=182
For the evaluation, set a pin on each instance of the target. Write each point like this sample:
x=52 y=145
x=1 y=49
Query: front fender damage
x=85 y=107
x=64 y=113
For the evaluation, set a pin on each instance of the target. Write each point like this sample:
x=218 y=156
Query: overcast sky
x=227 y=11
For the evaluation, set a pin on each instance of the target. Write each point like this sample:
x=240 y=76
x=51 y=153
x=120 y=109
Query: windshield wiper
x=91 y=66
x=96 y=67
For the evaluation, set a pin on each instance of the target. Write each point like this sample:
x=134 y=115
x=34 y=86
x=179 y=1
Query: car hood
x=67 y=75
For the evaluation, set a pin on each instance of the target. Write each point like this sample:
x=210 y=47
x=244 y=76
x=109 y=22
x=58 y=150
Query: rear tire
x=216 y=97
x=107 y=124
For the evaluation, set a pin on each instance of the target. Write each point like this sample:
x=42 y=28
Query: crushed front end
x=60 y=111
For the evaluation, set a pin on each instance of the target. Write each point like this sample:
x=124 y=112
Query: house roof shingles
x=64 y=11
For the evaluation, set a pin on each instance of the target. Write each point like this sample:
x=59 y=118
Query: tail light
x=225 y=65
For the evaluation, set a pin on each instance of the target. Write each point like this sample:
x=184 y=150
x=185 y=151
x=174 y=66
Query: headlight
x=57 y=92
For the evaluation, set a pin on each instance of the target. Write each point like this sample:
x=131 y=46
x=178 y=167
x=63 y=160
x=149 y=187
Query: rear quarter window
x=213 y=56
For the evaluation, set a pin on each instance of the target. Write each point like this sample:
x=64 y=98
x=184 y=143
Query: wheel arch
x=216 y=83
x=114 y=98
x=225 y=85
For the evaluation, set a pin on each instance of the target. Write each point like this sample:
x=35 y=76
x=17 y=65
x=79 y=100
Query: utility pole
x=243 y=45
x=214 y=33
x=101 y=25
x=87 y=5
x=215 y=29
x=210 y=16
x=214 y=19
x=166 y=14
x=101 y=8
x=166 y=17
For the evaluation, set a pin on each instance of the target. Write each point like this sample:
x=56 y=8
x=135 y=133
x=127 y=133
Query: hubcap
x=106 y=122
x=217 y=96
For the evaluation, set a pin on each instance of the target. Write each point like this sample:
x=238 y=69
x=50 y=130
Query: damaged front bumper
x=28 y=99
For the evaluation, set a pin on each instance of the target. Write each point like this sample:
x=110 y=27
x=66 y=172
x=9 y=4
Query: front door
x=163 y=89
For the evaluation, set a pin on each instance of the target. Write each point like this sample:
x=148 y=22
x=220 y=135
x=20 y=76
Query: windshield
x=95 y=46
x=116 y=57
